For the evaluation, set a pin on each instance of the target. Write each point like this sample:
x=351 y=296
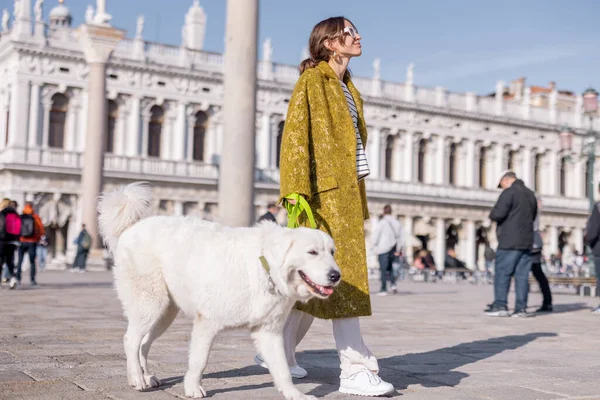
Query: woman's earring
x=334 y=54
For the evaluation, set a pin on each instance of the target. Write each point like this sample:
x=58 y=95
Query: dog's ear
x=276 y=249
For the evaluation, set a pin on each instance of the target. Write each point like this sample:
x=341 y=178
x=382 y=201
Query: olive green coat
x=318 y=161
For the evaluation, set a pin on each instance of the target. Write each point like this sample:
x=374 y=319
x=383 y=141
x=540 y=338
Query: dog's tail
x=121 y=209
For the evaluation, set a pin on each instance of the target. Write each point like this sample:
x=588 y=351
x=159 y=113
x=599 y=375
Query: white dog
x=224 y=277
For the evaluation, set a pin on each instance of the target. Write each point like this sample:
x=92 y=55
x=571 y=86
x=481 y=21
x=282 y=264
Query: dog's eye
x=313 y=252
x=333 y=252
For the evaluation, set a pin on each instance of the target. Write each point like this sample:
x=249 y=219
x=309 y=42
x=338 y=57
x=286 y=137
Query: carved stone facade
x=435 y=156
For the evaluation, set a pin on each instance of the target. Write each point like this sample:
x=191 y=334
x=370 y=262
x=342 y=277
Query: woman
x=9 y=239
x=323 y=159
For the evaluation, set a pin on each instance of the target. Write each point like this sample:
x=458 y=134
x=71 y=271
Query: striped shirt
x=362 y=167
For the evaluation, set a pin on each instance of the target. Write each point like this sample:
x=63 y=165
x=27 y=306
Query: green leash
x=295 y=210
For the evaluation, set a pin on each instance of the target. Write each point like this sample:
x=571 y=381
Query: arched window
x=563 y=177
x=58 y=118
x=536 y=173
x=113 y=110
x=421 y=160
x=452 y=165
x=482 y=167
x=389 y=148
x=199 y=136
x=280 y=127
x=155 y=131
x=510 y=161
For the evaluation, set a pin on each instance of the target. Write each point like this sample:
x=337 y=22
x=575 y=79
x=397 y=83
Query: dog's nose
x=334 y=275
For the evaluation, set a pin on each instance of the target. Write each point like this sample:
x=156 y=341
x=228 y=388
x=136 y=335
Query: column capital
x=98 y=42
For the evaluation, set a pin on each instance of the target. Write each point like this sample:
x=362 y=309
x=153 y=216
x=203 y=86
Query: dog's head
x=302 y=263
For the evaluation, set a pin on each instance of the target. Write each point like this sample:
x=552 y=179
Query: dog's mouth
x=318 y=290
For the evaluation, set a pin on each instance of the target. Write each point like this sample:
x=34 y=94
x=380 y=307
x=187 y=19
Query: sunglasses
x=350 y=31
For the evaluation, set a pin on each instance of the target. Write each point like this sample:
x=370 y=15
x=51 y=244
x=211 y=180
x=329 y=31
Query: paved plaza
x=63 y=340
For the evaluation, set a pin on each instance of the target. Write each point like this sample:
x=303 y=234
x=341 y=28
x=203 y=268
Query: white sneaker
x=365 y=383
x=382 y=293
x=297 y=372
x=394 y=289
x=13 y=282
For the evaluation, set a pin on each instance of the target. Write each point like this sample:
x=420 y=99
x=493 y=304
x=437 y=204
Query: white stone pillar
x=145 y=134
x=440 y=163
x=578 y=181
x=408 y=238
x=527 y=168
x=3 y=115
x=553 y=241
x=408 y=157
x=133 y=135
x=34 y=115
x=440 y=243
x=189 y=129
x=236 y=178
x=167 y=135
x=47 y=106
x=264 y=142
x=374 y=152
x=180 y=133
x=471 y=167
x=471 y=243
x=396 y=167
x=83 y=113
x=19 y=108
x=71 y=127
x=430 y=161
x=552 y=173
x=97 y=43
x=578 y=239
x=177 y=208
x=499 y=160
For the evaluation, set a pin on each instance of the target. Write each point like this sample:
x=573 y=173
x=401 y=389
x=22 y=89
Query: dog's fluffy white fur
x=213 y=273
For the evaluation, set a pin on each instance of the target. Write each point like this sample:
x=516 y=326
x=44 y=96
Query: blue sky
x=463 y=45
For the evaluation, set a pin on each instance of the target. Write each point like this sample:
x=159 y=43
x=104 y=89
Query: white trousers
x=354 y=354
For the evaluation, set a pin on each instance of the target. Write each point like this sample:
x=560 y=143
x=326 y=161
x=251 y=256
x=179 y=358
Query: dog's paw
x=193 y=388
x=196 y=392
x=151 y=381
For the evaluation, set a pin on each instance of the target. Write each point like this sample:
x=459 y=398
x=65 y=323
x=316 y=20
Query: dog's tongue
x=326 y=290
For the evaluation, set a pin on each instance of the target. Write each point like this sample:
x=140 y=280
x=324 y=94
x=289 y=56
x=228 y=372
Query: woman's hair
x=4 y=203
x=329 y=28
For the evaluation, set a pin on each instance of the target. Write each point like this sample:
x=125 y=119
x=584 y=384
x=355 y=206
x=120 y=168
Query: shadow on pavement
x=564 y=308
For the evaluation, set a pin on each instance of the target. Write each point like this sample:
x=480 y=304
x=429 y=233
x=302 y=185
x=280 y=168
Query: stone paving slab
x=63 y=340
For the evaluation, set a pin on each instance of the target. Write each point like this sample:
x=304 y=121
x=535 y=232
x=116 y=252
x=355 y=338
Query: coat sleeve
x=40 y=226
x=294 y=162
x=502 y=207
x=592 y=229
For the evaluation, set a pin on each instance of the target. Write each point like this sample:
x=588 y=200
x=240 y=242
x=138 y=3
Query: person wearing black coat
x=514 y=214
x=270 y=214
x=592 y=239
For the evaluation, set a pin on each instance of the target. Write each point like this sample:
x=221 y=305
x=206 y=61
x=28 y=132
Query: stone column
x=408 y=238
x=527 y=168
x=47 y=106
x=578 y=239
x=180 y=133
x=3 y=115
x=264 y=142
x=189 y=154
x=236 y=178
x=430 y=160
x=499 y=161
x=121 y=136
x=133 y=136
x=553 y=240
x=440 y=164
x=374 y=152
x=396 y=169
x=578 y=184
x=408 y=157
x=440 y=243
x=97 y=42
x=34 y=115
x=143 y=151
x=274 y=132
x=470 y=260
x=72 y=124
x=19 y=107
x=552 y=173
x=471 y=169
x=177 y=208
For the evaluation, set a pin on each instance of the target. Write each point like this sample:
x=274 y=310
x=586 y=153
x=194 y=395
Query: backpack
x=27 y=226
x=13 y=224
x=86 y=240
